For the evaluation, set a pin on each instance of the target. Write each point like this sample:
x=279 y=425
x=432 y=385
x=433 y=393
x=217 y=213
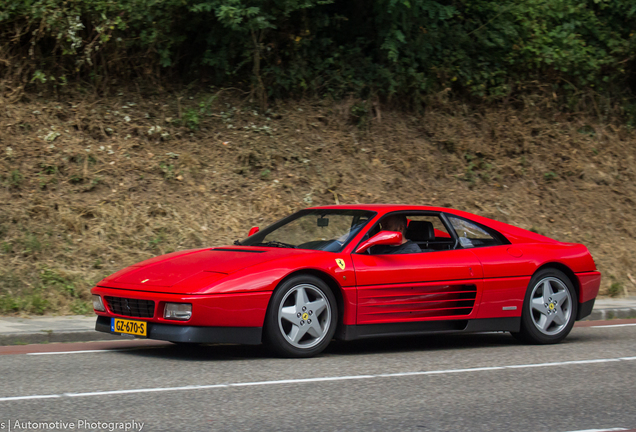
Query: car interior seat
x=421 y=232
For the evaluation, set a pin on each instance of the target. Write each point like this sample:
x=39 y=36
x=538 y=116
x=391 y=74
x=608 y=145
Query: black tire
x=549 y=311
x=279 y=331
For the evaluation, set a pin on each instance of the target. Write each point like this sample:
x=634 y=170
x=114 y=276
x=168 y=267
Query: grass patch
x=159 y=238
x=47 y=291
x=81 y=307
x=52 y=279
x=192 y=120
x=476 y=168
x=31 y=244
x=34 y=304
x=615 y=289
x=56 y=240
x=550 y=176
x=9 y=304
x=7 y=247
x=168 y=170
x=15 y=179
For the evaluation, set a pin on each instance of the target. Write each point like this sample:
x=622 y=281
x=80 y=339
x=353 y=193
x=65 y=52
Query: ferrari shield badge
x=340 y=263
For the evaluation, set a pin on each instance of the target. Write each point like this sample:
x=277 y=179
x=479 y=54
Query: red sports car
x=353 y=272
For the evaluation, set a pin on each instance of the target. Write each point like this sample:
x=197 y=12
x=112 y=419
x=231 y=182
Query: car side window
x=429 y=232
x=425 y=232
x=471 y=234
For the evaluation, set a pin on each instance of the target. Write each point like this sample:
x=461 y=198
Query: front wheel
x=549 y=308
x=301 y=317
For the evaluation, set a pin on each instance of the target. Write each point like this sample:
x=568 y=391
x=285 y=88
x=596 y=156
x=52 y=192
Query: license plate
x=137 y=328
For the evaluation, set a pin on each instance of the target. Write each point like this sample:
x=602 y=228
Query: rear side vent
x=378 y=304
x=455 y=300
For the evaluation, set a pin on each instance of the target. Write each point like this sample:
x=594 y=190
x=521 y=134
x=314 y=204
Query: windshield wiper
x=275 y=243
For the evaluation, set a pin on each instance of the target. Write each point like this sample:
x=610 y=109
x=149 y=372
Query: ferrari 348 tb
x=352 y=272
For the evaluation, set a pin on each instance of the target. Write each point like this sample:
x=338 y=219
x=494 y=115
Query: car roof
x=513 y=233
x=383 y=208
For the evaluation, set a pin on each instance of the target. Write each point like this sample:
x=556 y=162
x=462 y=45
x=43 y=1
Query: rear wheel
x=301 y=317
x=549 y=308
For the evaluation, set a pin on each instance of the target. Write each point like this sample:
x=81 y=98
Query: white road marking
x=319 y=379
x=613 y=325
x=30 y=397
x=105 y=350
x=303 y=380
x=77 y=352
x=213 y=386
x=601 y=430
x=149 y=390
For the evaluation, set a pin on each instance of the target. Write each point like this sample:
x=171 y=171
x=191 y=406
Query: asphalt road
x=485 y=382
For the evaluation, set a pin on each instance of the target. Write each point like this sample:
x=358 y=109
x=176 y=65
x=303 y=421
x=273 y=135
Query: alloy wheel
x=304 y=316
x=550 y=306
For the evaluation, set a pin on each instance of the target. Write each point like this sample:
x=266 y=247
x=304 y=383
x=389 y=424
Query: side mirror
x=393 y=238
x=253 y=231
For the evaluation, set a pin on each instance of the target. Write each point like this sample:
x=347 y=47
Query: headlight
x=177 y=311
x=98 y=305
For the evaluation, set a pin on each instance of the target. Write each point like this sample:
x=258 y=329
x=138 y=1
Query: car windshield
x=327 y=230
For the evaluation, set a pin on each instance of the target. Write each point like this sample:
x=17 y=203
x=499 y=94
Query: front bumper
x=212 y=310
x=194 y=334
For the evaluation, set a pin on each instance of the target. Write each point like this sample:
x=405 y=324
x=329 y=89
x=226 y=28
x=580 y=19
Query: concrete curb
x=40 y=337
x=609 y=314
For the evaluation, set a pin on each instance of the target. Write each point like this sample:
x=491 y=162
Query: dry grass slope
x=89 y=186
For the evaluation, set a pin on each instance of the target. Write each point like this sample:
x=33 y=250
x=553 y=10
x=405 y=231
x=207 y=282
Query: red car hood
x=189 y=271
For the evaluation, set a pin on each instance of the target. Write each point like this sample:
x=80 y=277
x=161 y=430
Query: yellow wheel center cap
x=305 y=316
x=551 y=306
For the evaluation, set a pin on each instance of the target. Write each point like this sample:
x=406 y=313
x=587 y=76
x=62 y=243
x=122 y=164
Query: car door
x=506 y=270
x=421 y=286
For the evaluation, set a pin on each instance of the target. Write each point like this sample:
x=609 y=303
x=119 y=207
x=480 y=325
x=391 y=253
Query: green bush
x=615 y=289
x=367 y=48
x=191 y=119
x=81 y=307
x=8 y=304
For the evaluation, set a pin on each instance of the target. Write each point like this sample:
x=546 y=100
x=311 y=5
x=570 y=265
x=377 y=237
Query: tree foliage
x=385 y=48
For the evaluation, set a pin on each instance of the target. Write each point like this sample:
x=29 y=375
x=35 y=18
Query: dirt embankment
x=89 y=185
